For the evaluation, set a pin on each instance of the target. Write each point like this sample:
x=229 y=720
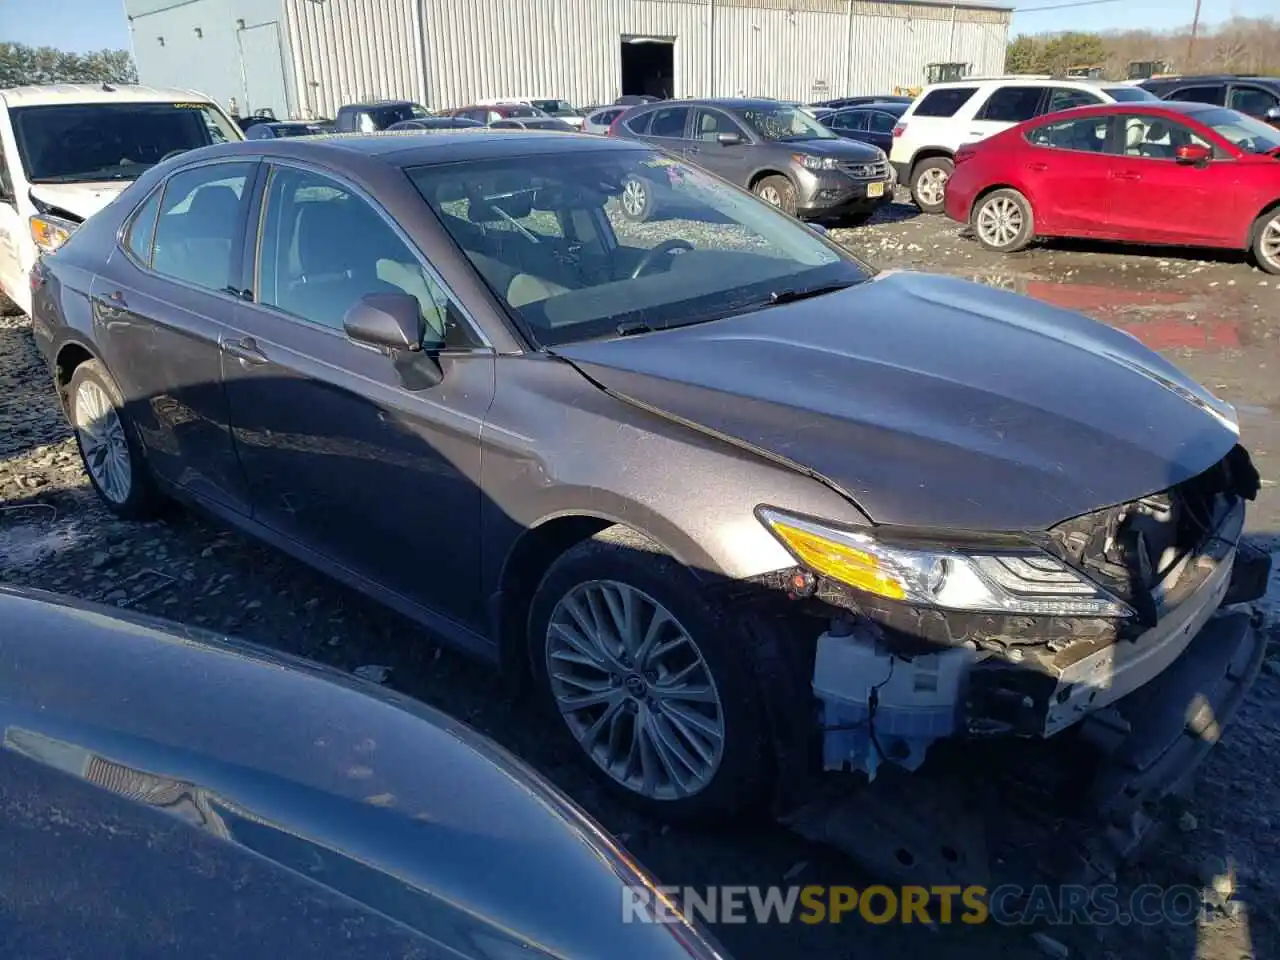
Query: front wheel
x=1266 y=241
x=1002 y=221
x=929 y=183
x=108 y=444
x=636 y=200
x=778 y=192
x=645 y=675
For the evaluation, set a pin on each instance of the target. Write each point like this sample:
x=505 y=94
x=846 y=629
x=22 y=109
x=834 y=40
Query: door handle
x=245 y=350
x=1037 y=167
x=1126 y=175
x=691 y=150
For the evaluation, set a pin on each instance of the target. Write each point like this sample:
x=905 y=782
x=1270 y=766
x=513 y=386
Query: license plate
x=875 y=189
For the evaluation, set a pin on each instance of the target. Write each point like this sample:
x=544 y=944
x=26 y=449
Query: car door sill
x=461 y=638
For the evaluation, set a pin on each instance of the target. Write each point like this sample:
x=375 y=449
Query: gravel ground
x=1215 y=316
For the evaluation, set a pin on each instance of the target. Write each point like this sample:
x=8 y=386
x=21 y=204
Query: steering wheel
x=650 y=258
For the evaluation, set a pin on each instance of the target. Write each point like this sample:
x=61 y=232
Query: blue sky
x=94 y=24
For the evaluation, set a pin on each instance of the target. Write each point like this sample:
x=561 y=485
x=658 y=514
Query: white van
x=67 y=150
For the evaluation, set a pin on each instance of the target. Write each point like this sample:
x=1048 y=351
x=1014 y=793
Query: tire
x=777 y=191
x=924 y=176
x=733 y=774
x=1003 y=221
x=1266 y=241
x=636 y=202
x=8 y=308
x=111 y=453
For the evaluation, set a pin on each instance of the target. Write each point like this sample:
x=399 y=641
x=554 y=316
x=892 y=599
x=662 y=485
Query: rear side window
x=142 y=227
x=1064 y=98
x=1011 y=104
x=640 y=124
x=883 y=122
x=853 y=120
x=669 y=122
x=944 y=102
x=1251 y=100
x=199 y=224
x=1215 y=94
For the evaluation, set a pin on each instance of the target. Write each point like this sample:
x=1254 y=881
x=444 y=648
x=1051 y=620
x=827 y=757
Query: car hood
x=932 y=401
x=81 y=199
x=839 y=148
x=264 y=806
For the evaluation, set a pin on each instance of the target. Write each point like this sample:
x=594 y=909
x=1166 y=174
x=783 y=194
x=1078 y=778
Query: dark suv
x=371 y=117
x=1257 y=97
x=776 y=150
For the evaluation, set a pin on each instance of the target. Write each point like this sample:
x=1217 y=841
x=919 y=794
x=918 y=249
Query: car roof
x=1036 y=80
x=1131 y=106
x=409 y=148
x=44 y=94
x=377 y=104
x=730 y=103
x=887 y=106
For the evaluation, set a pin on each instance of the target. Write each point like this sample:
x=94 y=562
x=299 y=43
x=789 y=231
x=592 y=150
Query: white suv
x=946 y=115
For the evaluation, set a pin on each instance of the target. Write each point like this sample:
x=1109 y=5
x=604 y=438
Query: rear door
x=1067 y=168
x=1005 y=107
x=1252 y=100
x=849 y=123
x=728 y=160
x=880 y=129
x=1215 y=93
x=1155 y=197
x=167 y=297
x=378 y=479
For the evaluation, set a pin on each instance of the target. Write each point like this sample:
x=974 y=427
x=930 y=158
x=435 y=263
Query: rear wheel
x=779 y=192
x=929 y=183
x=636 y=200
x=108 y=443
x=1002 y=221
x=647 y=680
x=1266 y=241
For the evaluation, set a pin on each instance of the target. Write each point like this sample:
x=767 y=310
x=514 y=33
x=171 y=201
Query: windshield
x=383 y=117
x=1129 y=94
x=1250 y=135
x=785 y=123
x=521 y=111
x=82 y=142
x=597 y=243
x=557 y=108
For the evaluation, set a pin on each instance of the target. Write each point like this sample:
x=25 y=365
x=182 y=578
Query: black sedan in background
x=178 y=794
x=871 y=123
x=271 y=129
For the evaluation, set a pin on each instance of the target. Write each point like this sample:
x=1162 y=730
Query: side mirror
x=390 y=321
x=728 y=139
x=1193 y=153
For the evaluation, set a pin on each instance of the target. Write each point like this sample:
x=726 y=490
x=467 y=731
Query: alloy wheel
x=1000 y=221
x=634 y=690
x=102 y=441
x=769 y=194
x=1269 y=243
x=932 y=186
x=634 y=198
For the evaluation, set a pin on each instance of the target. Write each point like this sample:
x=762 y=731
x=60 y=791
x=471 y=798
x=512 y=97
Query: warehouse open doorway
x=649 y=66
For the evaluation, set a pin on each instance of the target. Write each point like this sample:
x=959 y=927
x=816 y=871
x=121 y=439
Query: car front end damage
x=1118 y=643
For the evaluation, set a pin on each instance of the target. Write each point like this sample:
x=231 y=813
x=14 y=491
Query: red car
x=1187 y=174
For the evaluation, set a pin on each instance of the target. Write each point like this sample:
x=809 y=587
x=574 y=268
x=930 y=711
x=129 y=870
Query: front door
x=342 y=457
x=1156 y=198
x=165 y=303
x=728 y=160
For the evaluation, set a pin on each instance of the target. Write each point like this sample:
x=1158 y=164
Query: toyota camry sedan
x=735 y=504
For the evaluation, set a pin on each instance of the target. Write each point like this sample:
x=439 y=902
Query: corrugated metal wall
x=346 y=51
x=452 y=52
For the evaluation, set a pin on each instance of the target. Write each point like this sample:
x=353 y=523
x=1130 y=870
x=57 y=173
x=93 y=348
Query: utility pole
x=1191 y=42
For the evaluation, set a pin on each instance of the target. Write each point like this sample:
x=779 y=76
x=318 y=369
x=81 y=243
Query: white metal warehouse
x=307 y=57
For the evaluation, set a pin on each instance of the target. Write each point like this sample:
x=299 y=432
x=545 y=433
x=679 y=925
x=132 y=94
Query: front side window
x=550 y=237
x=87 y=142
x=1064 y=98
x=200 y=222
x=1087 y=134
x=322 y=248
x=669 y=122
x=1250 y=135
x=883 y=122
x=852 y=120
x=1011 y=104
x=711 y=123
x=945 y=102
x=1252 y=100
x=785 y=124
x=1156 y=138
x=1215 y=94
x=141 y=230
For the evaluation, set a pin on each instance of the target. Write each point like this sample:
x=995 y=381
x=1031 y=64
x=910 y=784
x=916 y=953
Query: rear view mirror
x=1193 y=153
x=728 y=139
x=392 y=321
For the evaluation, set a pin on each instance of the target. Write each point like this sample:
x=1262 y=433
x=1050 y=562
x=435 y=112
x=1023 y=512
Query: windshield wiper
x=632 y=327
x=805 y=293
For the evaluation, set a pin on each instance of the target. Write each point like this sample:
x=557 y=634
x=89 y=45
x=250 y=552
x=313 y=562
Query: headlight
x=49 y=233
x=1003 y=581
x=815 y=163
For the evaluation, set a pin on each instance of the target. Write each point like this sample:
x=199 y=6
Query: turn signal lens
x=49 y=233
x=839 y=561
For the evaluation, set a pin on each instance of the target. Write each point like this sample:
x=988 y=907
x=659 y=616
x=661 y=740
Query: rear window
x=944 y=102
x=605 y=116
x=1011 y=104
x=640 y=124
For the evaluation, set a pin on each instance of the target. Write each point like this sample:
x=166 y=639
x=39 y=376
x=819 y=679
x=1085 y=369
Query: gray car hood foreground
x=173 y=794
x=932 y=401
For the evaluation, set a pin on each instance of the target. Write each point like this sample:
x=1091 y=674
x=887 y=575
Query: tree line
x=21 y=64
x=1248 y=45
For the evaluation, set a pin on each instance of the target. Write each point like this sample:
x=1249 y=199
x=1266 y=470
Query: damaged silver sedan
x=742 y=510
